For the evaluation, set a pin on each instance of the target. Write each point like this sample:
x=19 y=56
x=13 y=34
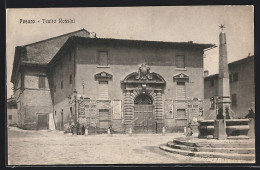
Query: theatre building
x=142 y=85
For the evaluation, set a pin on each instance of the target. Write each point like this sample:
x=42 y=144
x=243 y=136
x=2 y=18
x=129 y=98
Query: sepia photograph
x=130 y=85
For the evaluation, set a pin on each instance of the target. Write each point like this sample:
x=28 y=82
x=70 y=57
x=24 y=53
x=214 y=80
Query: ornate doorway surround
x=143 y=83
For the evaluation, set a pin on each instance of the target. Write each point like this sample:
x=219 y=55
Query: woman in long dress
x=189 y=130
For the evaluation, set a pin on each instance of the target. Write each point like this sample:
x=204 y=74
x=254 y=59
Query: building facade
x=142 y=85
x=12 y=112
x=242 y=89
x=30 y=82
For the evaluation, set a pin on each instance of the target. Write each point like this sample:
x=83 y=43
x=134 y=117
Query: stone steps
x=209 y=154
x=214 y=145
x=238 y=137
x=206 y=149
x=239 y=148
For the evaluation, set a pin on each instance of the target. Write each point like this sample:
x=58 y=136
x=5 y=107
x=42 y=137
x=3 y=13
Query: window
x=70 y=81
x=180 y=61
x=212 y=103
x=103 y=90
x=181 y=114
x=235 y=77
x=61 y=84
x=211 y=82
x=61 y=65
x=10 y=117
x=71 y=111
x=55 y=112
x=103 y=115
x=230 y=78
x=12 y=106
x=234 y=99
x=181 y=91
x=103 y=58
x=54 y=89
x=41 y=81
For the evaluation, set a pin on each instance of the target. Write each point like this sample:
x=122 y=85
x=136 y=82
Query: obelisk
x=223 y=89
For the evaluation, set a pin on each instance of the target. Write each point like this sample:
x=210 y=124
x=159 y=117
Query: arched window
x=143 y=99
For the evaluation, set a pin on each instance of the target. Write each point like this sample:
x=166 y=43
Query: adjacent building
x=142 y=85
x=242 y=89
x=11 y=112
x=31 y=84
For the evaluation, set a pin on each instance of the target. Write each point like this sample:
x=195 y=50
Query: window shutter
x=234 y=99
x=181 y=114
x=103 y=90
x=41 y=81
x=70 y=79
x=181 y=92
x=104 y=115
x=103 y=58
x=180 y=61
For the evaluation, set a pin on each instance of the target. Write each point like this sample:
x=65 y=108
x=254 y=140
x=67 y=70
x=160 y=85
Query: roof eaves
x=17 y=60
x=143 y=42
x=55 y=37
x=211 y=76
x=249 y=58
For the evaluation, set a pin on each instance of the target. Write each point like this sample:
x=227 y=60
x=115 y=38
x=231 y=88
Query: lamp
x=75 y=93
x=69 y=99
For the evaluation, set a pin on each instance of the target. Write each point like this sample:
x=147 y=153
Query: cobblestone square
x=56 y=148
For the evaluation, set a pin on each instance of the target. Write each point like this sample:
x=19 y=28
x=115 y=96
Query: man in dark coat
x=250 y=114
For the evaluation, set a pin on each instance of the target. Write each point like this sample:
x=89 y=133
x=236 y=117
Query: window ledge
x=181 y=69
x=180 y=118
x=103 y=66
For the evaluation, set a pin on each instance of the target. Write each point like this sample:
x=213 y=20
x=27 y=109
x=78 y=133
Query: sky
x=199 y=24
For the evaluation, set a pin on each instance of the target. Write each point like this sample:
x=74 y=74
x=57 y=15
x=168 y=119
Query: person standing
x=189 y=130
x=250 y=114
x=110 y=129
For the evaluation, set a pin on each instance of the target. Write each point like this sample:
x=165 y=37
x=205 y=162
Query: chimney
x=206 y=73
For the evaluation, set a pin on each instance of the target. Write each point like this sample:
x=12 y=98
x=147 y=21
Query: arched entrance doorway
x=143 y=106
x=143 y=114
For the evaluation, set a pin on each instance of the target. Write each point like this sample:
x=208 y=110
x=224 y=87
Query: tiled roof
x=41 y=52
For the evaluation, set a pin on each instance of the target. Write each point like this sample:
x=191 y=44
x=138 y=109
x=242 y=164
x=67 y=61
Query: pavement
x=28 y=147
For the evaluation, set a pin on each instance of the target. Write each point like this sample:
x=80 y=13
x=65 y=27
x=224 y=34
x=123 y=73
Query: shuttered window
x=70 y=79
x=41 y=81
x=180 y=61
x=104 y=115
x=181 y=91
x=234 y=99
x=103 y=58
x=181 y=114
x=103 y=90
